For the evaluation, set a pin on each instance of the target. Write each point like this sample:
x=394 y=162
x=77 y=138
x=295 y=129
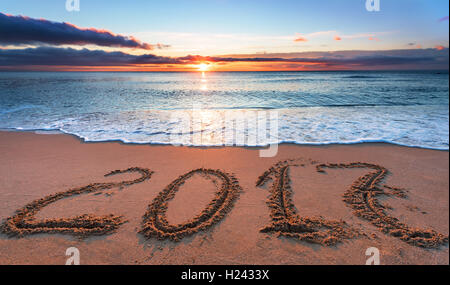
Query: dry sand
x=227 y=230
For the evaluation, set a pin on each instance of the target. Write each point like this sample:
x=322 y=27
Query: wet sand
x=184 y=205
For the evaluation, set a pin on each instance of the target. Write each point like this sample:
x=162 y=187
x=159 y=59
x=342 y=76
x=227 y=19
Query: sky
x=213 y=35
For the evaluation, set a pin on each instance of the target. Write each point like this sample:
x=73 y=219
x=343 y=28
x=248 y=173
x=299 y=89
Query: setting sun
x=203 y=67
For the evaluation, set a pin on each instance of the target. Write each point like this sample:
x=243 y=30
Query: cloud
x=20 y=30
x=357 y=60
x=321 y=33
x=439 y=47
x=341 y=36
x=300 y=39
x=443 y=19
x=367 y=35
x=374 y=39
x=52 y=56
x=418 y=46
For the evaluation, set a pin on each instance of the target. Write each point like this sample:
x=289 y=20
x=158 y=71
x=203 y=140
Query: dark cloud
x=354 y=58
x=51 y=56
x=443 y=19
x=72 y=57
x=20 y=30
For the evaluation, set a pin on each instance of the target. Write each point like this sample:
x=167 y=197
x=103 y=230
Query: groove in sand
x=285 y=220
x=155 y=224
x=24 y=222
x=361 y=196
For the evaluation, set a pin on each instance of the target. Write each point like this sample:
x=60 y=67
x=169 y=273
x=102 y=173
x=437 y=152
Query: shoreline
x=332 y=144
x=34 y=166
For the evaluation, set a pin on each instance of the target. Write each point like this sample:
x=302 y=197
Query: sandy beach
x=34 y=166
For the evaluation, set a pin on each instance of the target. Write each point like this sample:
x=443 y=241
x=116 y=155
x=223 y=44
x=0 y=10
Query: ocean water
x=406 y=108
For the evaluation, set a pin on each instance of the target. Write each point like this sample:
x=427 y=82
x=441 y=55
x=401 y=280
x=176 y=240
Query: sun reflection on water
x=203 y=86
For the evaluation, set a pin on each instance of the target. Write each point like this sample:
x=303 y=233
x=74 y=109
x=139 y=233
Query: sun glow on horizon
x=203 y=67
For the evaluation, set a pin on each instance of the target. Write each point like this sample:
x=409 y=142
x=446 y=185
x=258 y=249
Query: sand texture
x=182 y=205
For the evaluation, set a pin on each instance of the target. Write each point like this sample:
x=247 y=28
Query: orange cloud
x=337 y=38
x=300 y=39
x=439 y=47
x=374 y=39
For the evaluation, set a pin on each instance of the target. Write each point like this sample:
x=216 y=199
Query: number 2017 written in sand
x=361 y=197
